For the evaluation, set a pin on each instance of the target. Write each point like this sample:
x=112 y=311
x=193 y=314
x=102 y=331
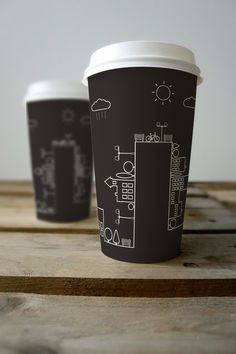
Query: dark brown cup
x=61 y=156
x=142 y=124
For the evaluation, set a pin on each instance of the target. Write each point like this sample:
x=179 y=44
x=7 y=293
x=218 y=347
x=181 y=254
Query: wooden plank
x=16 y=188
x=21 y=188
x=209 y=220
x=226 y=197
x=202 y=203
x=26 y=188
x=194 y=191
x=206 y=186
x=70 y=325
x=74 y=265
x=17 y=213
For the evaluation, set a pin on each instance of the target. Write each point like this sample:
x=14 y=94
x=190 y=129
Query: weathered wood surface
x=17 y=213
x=16 y=188
x=206 y=186
x=226 y=197
x=185 y=305
x=34 y=324
x=26 y=188
x=74 y=265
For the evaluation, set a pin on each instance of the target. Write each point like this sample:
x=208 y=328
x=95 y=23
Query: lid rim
x=99 y=69
x=60 y=89
x=142 y=54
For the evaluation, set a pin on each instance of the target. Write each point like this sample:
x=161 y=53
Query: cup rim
x=142 y=54
x=55 y=89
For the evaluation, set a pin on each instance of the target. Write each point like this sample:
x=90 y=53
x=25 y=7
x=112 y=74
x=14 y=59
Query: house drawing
x=124 y=190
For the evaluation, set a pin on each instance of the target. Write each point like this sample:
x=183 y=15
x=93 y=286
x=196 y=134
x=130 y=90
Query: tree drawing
x=116 y=237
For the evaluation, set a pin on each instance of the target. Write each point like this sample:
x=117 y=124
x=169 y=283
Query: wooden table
x=59 y=294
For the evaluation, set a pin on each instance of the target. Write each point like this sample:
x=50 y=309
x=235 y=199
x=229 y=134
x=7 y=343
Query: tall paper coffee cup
x=60 y=146
x=142 y=101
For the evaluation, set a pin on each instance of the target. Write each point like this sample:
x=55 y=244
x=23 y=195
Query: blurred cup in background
x=60 y=147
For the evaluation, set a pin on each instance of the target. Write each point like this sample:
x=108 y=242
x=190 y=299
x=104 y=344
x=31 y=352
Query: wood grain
x=185 y=305
x=17 y=213
x=16 y=188
x=74 y=265
x=34 y=324
x=26 y=188
x=206 y=186
x=226 y=197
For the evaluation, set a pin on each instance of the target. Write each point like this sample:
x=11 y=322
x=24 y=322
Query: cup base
x=143 y=260
x=63 y=219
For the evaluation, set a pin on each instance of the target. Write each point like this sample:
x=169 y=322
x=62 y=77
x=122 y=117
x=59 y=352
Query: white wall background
x=53 y=39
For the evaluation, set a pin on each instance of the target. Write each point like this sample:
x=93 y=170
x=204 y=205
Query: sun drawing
x=163 y=92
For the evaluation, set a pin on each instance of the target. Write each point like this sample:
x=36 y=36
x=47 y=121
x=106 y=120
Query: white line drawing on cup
x=119 y=216
x=124 y=183
x=112 y=237
x=119 y=153
x=168 y=138
x=189 y=102
x=178 y=177
x=85 y=120
x=116 y=237
x=33 y=123
x=68 y=115
x=82 y=171
x=177 y=187
x=44 y=208
x=161 y=126
x=100 y=106
x=154 y=137
x=108 y=234
x=163 y=93
x=46 y=173
x=126 y=242
x=101 y=221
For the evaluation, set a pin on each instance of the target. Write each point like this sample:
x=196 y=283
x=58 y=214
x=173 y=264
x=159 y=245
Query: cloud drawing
x=100 y=105
x=189 y=102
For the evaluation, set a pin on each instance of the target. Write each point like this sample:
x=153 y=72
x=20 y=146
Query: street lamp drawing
x=161 y=126
x=117 y=149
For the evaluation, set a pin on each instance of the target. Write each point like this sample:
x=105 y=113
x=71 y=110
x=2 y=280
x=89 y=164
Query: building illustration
x=47 y=176
x=123 y=186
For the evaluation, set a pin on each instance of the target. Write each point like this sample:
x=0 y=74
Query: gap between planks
x=72 y=265
x=161 y=288
x=202 y=216
x=85 y=231
x=25 y=188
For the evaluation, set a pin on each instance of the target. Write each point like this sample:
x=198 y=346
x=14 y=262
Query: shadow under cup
x=142 y=124
x=60 y=146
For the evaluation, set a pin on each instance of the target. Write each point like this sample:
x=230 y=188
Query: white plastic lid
x=142 y=54
x=44 y=90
